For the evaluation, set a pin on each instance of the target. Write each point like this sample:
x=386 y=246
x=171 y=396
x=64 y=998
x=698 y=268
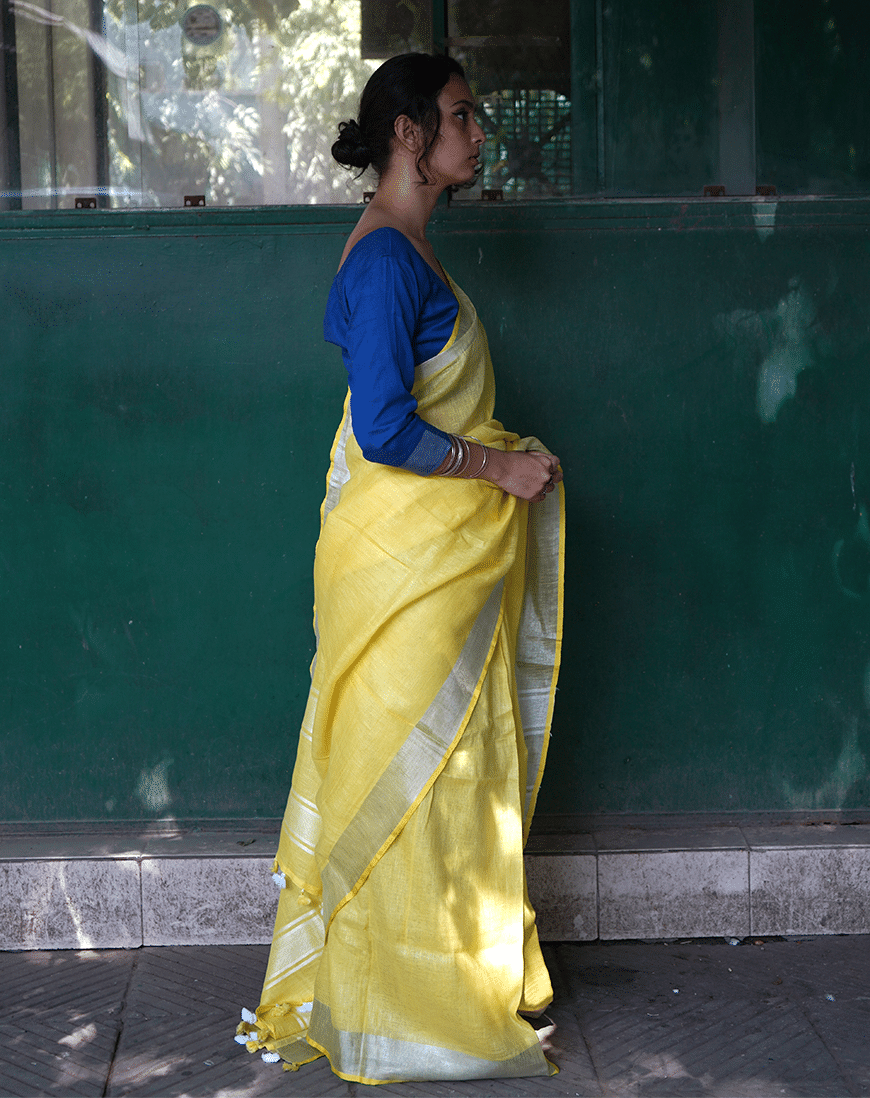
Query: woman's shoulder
x=384 y=242
x=380 y=267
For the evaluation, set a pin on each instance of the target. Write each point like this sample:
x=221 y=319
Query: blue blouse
x=388 y=311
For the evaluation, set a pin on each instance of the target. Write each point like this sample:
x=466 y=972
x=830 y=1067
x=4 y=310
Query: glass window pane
x=660 y=108
x=143 y=102
x=645 y=79
x=517 y=60
x=55 y=94
x=813 y=95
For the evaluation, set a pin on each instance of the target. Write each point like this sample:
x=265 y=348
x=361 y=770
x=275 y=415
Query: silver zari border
x=388 y=1059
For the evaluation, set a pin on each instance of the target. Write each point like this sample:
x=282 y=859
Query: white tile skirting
x=198 y=887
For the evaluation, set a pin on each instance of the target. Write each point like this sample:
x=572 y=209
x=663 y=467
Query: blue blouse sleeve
x=381 y=300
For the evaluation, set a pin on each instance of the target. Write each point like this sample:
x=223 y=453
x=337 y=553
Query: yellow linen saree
x=405 y=943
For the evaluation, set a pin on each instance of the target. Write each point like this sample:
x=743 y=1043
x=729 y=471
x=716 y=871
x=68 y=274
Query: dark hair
x=408 y=84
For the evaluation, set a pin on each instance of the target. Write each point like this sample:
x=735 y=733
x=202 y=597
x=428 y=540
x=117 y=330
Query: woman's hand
x=528 y=474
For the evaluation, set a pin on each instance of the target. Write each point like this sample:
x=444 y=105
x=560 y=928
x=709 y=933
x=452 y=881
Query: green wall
x=701 y=368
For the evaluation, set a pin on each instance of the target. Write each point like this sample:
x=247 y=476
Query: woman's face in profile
x=455 y=155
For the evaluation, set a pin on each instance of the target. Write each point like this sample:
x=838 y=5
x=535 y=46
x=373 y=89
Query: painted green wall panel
x=713 y=660
x=701 y=369
x=163 y=468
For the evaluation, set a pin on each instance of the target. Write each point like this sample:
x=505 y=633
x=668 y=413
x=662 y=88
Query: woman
x=405 y=945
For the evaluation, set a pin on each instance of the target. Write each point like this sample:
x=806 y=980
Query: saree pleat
x=444 y=908
x=405 y=943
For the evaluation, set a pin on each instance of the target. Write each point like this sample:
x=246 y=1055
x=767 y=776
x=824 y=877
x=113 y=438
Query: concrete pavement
x=757 y=1019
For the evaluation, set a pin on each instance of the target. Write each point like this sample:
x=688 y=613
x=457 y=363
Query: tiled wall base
x=201 y=888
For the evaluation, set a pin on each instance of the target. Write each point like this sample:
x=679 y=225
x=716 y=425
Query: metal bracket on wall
x=714 y=190
x=766 y=189
x=86 y=203
x=492 y=194
x=194 y=200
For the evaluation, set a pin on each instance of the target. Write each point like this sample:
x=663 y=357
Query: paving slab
x=63 y=1015
x=760 y=1019
x=708 y=1018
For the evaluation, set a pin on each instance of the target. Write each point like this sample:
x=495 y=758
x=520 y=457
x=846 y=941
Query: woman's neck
x=403 y=200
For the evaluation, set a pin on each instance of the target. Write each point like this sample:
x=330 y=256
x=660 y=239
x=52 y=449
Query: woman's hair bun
x=351 y=149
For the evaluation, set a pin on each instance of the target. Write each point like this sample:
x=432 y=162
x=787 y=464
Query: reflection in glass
x=57 y=80
x=391 y=27
x=144 y=101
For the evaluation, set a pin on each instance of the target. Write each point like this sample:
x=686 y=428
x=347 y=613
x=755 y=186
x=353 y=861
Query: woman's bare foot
x=545 y=1033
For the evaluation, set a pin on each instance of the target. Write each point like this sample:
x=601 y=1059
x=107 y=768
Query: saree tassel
x=251 y=1040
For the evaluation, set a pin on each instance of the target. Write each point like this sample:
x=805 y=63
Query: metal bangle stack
x=461 y=455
